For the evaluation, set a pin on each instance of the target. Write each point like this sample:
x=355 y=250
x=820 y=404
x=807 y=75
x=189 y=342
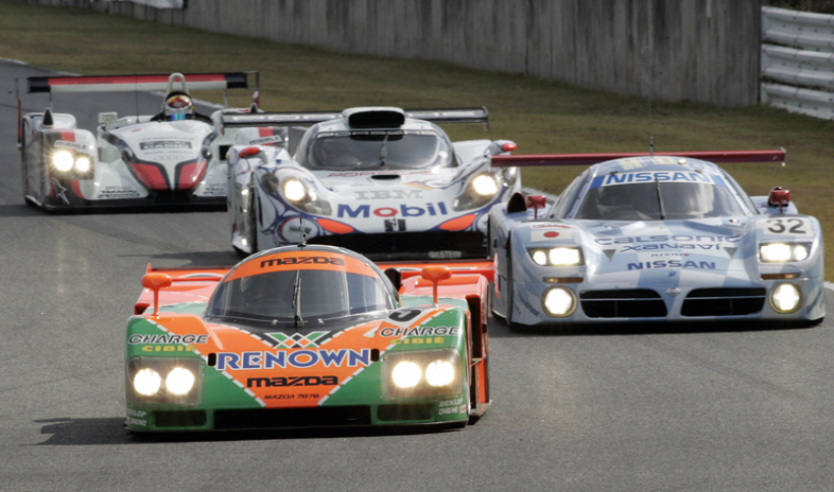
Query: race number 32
x=793 y=226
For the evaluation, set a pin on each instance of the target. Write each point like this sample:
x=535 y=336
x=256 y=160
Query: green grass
x=541 y=116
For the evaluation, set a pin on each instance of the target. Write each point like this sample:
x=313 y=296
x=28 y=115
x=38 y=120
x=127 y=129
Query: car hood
x=164 y=155
x=640 y=252
x=269 y=362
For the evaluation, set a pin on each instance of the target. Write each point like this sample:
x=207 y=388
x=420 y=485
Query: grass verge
x=541 y=116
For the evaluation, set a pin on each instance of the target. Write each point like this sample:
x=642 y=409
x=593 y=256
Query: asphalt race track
x=691 y=408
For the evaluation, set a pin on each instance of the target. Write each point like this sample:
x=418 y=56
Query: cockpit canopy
x=393 y=149
x=658 y=195
x=303 y=286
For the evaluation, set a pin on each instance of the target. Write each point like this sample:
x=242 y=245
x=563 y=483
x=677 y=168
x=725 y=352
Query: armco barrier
x=670 y=50
x=798 y=76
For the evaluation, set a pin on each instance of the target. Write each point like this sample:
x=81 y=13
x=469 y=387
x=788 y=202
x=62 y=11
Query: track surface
x=611 y=410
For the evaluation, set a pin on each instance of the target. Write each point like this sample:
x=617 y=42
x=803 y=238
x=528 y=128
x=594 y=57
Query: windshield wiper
x=660 y=200
x=383 y=153
x=296 y=299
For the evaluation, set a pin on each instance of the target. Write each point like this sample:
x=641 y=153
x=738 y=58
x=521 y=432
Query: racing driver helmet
x=178 y=106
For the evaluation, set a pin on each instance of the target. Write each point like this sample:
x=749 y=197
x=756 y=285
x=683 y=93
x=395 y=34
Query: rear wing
x=306 y=118
x=119 y=83
x=589 y=159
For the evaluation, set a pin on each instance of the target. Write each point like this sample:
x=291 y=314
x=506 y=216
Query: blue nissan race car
x=655 y=238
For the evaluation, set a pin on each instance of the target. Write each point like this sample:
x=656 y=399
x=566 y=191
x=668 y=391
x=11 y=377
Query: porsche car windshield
x=320 y=295
x=658 y=200
x=398 y=150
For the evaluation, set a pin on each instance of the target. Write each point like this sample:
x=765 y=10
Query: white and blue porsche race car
x=655 y=238
x=383 y=181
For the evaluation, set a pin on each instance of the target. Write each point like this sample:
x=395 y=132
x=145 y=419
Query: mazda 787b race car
x=173 y=158
x=655 y=238
x=308 y=336
x=383 y=181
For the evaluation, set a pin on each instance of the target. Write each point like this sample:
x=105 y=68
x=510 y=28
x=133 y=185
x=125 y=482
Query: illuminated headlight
x=179 y=381
x=559 y=302
x=485 y=185
x=83 y=164
x=164 y=380
x=421 y=373
x=783 y=252
x=62 y=160
x=481 y=190
x=785 y=298
x=440 y=373
x=294 y=190
x=562 y=256
x=406 y=374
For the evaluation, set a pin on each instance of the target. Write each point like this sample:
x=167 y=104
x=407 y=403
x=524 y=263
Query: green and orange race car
x=308 y=336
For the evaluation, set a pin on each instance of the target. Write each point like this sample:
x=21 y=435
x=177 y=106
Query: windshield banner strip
x=301 y=260
x=655 y=176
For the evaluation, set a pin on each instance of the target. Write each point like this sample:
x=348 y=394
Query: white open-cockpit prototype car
x=383 y=181
x=640 y=238
x=172 y=158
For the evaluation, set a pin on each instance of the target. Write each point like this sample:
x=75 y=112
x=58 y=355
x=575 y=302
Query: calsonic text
x=166 y=339
x=651 y=247
x=364 y=211
x=420 y=331
x=300 y=359
x=664 y=238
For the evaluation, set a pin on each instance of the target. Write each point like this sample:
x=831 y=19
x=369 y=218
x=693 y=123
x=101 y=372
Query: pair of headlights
x=162 y=380
x=783 y=252
x=65 y=161
x=424 y=373
x=561 y=256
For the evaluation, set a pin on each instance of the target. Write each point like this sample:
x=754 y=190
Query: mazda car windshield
x=299 y=296
x=397 y=150
x=658 y=200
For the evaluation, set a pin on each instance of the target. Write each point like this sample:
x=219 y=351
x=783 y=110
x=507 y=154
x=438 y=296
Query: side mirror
x=154 y=282
x=780 y=197
x=435 y=274
x=249 y=152
x=536 y=202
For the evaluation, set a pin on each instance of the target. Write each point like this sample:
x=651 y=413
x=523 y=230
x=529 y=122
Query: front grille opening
x=187 y=418
x=421 y=411
x=623 y=303
x=278 y=418
x=724 y=302
x=410 y=245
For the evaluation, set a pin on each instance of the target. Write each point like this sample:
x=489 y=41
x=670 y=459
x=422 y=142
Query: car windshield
x=657 y=200
x=378 y=150
x=321 y=295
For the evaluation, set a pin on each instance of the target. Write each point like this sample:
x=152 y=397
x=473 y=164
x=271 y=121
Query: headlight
x=147 y=382
x=783 y=252
x=785 y=298
x=63 y=160
x=406 y=374
x=440 y=373
x=562 y=256
x=409 y=374
x=559 y=302
x=294 y=190
x=509 y=175
x=164 y=380
x=83 y=164
x=481 y=190
x=179 y=381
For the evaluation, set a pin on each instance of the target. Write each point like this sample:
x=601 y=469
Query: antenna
x=136 y=94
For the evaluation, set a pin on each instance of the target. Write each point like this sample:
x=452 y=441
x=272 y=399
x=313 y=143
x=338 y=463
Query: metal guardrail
x=799 y=74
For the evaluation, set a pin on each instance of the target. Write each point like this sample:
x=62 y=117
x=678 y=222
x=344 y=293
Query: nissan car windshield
x=383 y=150
x=658 y=197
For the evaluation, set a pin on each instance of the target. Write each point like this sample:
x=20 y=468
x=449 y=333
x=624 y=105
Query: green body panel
x=364 y=388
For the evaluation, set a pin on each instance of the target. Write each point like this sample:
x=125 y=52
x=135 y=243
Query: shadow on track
x=20 y=210
x=109 y=431
x=498 y=328
x=198 y=258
